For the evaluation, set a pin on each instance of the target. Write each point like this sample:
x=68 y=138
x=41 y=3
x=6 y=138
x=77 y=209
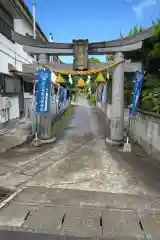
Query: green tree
x=111 y=57
x=130 y=33
x=155 y=46
x=156 y=27
x=93 y=60
x=140 y=28
x=121 y=36
x=150 y=97
x=156 y=50
x=135 y=30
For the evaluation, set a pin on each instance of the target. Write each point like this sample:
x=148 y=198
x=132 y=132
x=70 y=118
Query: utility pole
x=34 y=119
x=50 y=40
x=34 y=21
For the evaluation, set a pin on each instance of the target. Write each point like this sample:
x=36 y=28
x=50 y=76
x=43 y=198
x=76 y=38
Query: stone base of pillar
x=38 y=142
x=116 y=143
x=47 y=141
x=44 y=127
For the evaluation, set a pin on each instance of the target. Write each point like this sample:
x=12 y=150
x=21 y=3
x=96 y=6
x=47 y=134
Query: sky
x=95 y=20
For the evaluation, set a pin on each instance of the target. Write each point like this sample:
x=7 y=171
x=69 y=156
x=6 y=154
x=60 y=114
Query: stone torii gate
x=80 y=49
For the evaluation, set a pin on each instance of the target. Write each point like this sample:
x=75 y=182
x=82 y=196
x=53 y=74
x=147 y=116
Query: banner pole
x=34 y=117
x=33 y=111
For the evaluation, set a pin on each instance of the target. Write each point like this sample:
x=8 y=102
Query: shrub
x=93 y=99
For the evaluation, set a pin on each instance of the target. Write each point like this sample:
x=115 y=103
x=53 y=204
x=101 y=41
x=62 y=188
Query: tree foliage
x=111 y=57
x=133 y=31
x=121 y=36
x=150 y=98
x=156 y=27
x=93 y=60
x=155 y=51
x=140 y=29
x=130 y=33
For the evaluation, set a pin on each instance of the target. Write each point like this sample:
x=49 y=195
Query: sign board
x=80 y=54
x=43 y=91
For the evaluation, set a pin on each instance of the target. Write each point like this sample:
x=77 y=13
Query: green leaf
x=93 y=60
x=140 y=28
x=130 y=33
x=121 y=36
x=135 y=30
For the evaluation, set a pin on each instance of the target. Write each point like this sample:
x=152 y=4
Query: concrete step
x=73 y=221
x=91 y=199
x=80 y=214
x=25 y=235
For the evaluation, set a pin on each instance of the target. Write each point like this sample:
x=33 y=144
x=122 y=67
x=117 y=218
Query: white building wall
x=4 y=115
x=12 y=53
x=12 y=112
x=14 y=107
x=22 y=26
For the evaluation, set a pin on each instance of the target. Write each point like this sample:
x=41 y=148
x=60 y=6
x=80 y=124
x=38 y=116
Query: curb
x=41 y=142
x=10 y=198
x=61 y=123
x=58 y=115
x=29 y=138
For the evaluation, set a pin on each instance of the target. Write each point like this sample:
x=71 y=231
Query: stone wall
x=145 y=129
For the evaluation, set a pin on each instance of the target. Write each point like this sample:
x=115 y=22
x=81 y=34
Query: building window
x=12 y=85
x=6 y=23
x=2 y=83
x=28 y=87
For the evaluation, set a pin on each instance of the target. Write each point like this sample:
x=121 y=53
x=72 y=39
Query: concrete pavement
x=15 y=135
x=44 y=212
x=79 y=187
x=81 y=160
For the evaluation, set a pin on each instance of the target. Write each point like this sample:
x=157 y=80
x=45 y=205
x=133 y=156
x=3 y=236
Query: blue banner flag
x=137 y=88
x=43 y=91
x=61 y=95
x=65 y=94
x=104 y=95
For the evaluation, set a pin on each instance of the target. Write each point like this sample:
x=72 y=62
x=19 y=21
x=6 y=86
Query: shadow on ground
x=80 y=159
x=28 y=150
x=145 y=166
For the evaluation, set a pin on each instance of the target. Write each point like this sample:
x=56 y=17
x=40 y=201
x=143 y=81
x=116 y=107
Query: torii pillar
x=117 y=112
x=45 y=122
